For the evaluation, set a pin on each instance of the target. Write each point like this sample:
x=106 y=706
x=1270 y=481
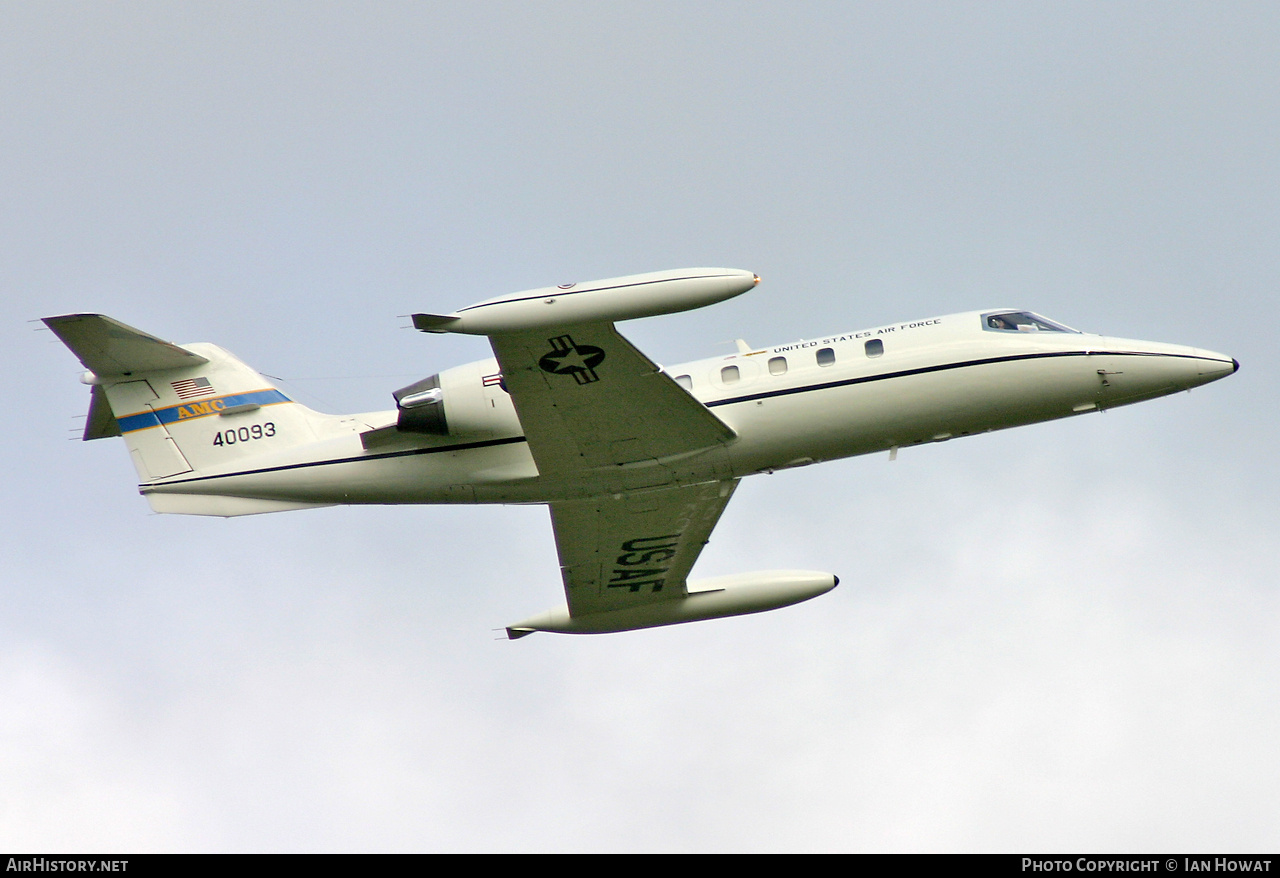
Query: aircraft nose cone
x=1156 y=368
x=1214 y=365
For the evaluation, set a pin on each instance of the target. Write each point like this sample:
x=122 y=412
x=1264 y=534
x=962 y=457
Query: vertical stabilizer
x=180 y=409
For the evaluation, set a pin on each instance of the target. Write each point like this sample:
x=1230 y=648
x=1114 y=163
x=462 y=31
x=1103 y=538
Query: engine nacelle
x=716 y=598
x=464 y=401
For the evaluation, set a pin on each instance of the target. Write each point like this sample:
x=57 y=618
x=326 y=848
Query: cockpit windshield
x=1021 y=321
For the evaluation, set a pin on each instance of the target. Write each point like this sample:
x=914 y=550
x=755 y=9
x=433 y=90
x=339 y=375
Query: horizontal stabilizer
x=109 y=347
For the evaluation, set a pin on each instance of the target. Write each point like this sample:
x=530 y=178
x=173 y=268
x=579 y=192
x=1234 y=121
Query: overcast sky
x=1057 y=638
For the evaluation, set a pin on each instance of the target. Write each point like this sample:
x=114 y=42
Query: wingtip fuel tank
x=736 y=595
x=609 y=300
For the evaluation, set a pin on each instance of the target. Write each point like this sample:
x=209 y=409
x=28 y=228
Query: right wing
x=620 y=552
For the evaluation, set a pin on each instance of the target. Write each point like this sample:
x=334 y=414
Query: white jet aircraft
x=637 y=462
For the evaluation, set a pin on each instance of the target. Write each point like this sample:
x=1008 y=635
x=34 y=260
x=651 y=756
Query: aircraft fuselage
x=843 y=395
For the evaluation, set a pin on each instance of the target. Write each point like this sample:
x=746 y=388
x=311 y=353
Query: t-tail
x=184 y=411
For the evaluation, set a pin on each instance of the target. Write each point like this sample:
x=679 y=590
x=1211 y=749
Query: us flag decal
x=189 y=387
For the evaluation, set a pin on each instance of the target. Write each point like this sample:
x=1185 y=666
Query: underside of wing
x=588 y=399
x=626 y=559
x=618 y=553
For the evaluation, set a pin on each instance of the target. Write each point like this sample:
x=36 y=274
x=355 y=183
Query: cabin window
x=730 y=375
x=826 y=356
x=875 y=347
x=778 y=366
x=1021 y=321
x=685 y=381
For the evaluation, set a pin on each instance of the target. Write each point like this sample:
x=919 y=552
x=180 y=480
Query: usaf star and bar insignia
x=567 y=358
